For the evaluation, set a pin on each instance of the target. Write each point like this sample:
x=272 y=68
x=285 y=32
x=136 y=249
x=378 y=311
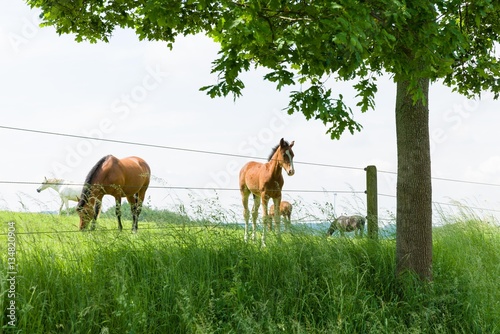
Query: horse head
x=47 y=183
x=285 y=158
x=43 y=185
x=85 y=210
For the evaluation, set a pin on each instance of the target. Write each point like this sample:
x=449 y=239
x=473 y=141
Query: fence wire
x=226 y=154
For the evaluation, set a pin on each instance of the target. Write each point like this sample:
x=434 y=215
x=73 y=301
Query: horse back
x=136 y=171
x=351 y=223
x=131 y=174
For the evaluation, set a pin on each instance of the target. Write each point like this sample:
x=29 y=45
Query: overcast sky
x=142 y=92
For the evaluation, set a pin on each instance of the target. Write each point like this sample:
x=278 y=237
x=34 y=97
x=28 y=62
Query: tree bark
x=414 y=186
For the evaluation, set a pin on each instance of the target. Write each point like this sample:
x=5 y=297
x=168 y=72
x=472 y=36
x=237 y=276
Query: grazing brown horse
x=265 y=181
x=128 y=177
x=285 y=212
x=347 y=224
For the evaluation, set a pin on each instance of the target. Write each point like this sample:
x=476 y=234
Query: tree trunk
x=414 y=189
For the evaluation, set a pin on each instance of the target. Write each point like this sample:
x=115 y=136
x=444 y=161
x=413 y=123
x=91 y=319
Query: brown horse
x=128 y=177
x=265 y=181
x=347 y=224
x=285 y=212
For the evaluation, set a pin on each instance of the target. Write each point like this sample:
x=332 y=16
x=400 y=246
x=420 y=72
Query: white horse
x=67 y=191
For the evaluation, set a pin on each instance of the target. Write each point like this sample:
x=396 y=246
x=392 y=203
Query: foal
x=265 y=181
x=285 y=212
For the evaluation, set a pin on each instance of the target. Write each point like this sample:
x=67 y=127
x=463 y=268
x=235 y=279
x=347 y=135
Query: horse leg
x=246 y=212
x=66 y=204
x=60 y=208
x=138 y=209
x=272 y=222
x=255 y=214
x=135 y=208
x=97 y=209
x=277 y=215
x=288 y=221
x=118 y=212
x=266 y=218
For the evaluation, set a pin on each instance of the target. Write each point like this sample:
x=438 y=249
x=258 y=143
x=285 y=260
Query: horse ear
x=291 y=144
x=282 y=142
x=45 y=178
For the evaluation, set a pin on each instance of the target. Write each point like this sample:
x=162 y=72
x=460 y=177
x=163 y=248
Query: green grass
x=188 y=278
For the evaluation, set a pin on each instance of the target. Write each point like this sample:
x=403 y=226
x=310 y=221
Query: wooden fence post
x=371 y=202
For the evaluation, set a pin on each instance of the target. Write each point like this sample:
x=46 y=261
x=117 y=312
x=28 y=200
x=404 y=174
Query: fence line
x=288 y=191
x=373 y=196
x=449 y=180
x=116 y=141
x=170 y=226
x=198 y=188
x=317 y=220
x=458 y=205
x=198 y=222
x=236 y=189
x=191 y=223
x=449 y=204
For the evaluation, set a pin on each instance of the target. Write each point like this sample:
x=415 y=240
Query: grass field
x=175 y=276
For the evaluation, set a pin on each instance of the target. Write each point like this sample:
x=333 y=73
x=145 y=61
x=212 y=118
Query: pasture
x=178 y=276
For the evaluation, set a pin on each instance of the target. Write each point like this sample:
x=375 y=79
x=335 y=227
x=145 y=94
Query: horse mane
x=53 y=180
x=88 y=181
x=275 y=149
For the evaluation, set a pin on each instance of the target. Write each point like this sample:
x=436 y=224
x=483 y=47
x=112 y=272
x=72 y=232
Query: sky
x=141 y=92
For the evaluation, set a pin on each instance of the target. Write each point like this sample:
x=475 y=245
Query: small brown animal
x=285 y=212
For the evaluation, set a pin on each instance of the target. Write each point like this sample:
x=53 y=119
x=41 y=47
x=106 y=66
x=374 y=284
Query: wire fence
x=354 y=192
x=184 y=149
x=337 y=191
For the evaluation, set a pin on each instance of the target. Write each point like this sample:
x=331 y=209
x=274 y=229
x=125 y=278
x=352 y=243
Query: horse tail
x=89 y=180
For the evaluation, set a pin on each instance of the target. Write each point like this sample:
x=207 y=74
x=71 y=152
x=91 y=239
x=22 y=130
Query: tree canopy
x=308 y=42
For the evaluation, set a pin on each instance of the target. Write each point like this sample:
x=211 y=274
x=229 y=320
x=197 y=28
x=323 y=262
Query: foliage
x=306 y=42
x=205 y=279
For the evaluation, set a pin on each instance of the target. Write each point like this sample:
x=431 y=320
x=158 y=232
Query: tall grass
x=204 y=279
